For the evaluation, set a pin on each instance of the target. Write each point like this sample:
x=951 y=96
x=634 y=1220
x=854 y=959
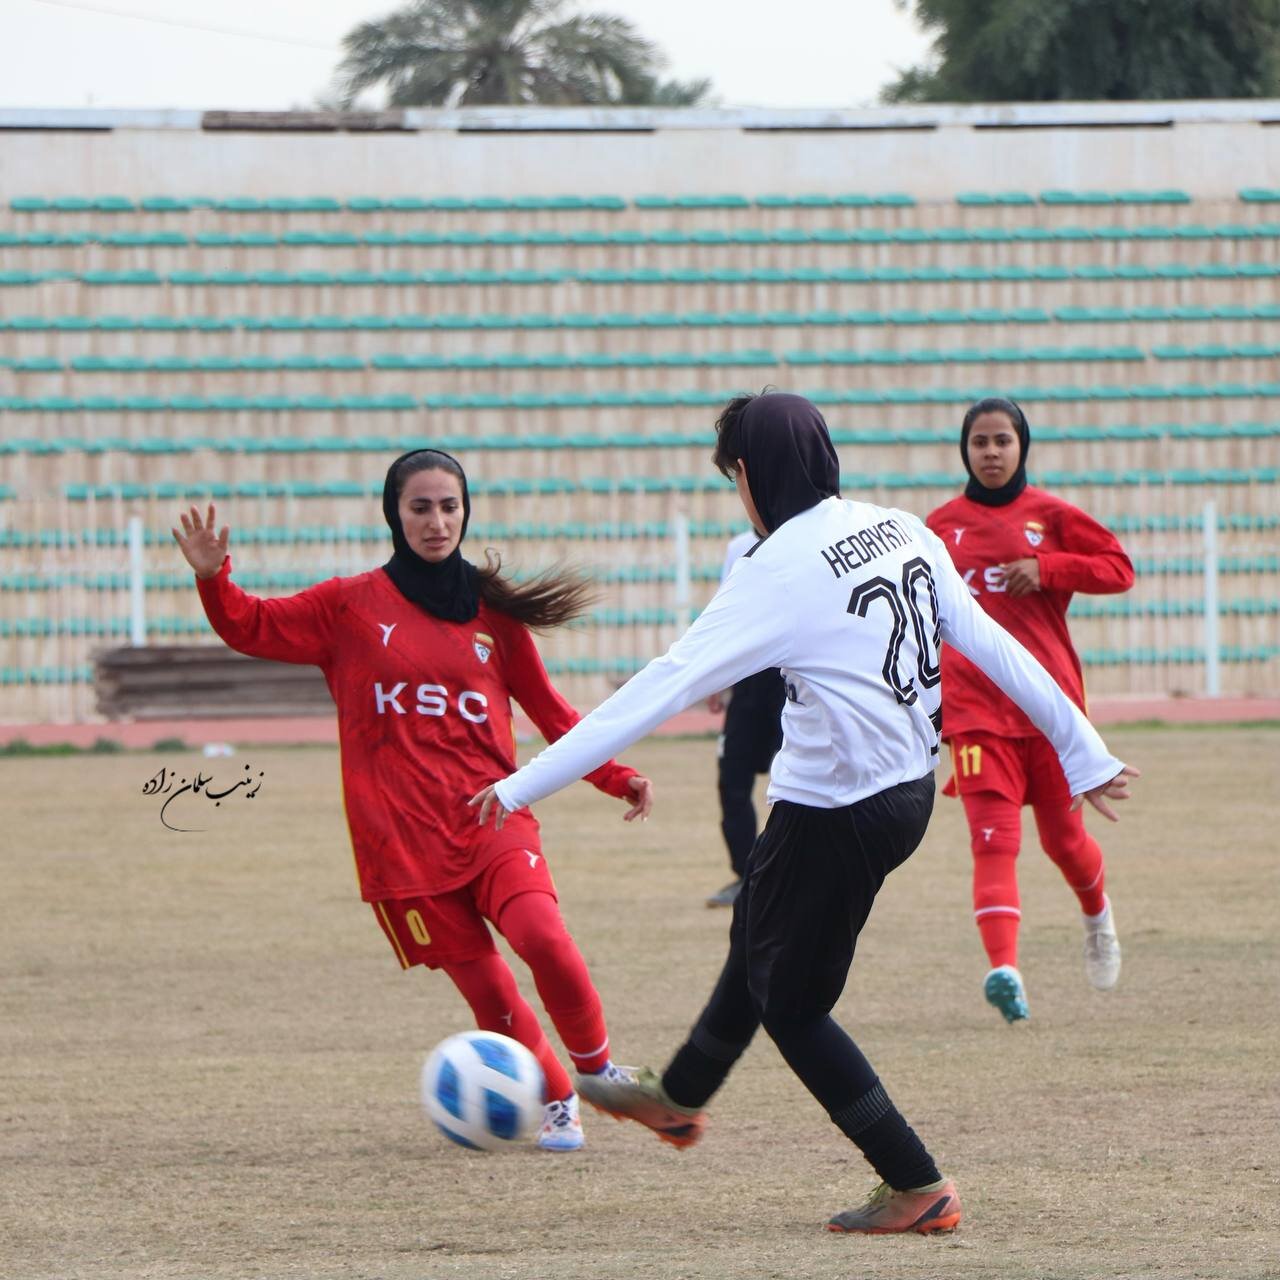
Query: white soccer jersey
x=851 y=601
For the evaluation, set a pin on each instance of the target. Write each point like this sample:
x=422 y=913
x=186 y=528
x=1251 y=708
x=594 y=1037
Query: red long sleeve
x=294 y=628
x=1091 y=560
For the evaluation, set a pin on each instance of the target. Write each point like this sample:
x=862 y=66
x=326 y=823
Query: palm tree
x=494 y=52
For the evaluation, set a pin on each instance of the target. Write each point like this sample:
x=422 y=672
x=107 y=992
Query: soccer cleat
x=1003 y=988
x=727 y=896
x=561 y=1126
x=887 y=1211
x=1101 y=949
x=636 y=1093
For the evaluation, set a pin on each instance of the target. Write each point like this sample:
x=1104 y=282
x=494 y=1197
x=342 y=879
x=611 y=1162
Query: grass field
x=209 y=1059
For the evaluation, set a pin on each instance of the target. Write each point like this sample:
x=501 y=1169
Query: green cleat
x=1003 y=989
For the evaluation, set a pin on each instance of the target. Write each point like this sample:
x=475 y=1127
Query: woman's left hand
x=489 y=803
x=1022 y=577
x=644 y=799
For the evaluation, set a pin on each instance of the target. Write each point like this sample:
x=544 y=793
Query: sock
x=489 y=987
x=995 y=833
x=1097 y=917
x=889 y=1143
x=699 y=1068
x=1076 y=854
x=999 y=932
x=532 y=923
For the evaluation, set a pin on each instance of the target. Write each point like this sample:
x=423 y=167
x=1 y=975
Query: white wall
x=1210 y=149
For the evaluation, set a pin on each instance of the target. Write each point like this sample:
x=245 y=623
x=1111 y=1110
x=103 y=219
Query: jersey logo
x=483 y=645
x=387 y=629
x=506 y=1017
x=430 y=700
x=1035 y=532
x=959 y=534
x=987 y=833
x=533 y=859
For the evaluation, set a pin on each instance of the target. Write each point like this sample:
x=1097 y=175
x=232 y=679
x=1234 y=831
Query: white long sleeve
x=851 y=601
x=744 y=629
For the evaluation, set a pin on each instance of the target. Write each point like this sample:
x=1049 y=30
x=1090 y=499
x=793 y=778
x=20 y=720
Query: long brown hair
x=550 y=599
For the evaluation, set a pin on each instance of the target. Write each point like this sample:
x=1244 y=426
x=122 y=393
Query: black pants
x=752 y=736
x=811 y=879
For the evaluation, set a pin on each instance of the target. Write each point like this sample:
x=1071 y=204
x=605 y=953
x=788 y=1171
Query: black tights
x=811 y=881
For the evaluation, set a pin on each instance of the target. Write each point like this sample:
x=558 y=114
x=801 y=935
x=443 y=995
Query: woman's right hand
x=205 y=550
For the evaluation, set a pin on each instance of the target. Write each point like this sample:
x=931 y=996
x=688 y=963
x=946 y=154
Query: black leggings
x=752 y=736
x=810 y=883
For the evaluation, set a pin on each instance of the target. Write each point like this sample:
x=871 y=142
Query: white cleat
x=1101 y=949
x=561 y=1126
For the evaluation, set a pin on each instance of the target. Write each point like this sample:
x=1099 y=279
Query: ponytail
x=551 y=599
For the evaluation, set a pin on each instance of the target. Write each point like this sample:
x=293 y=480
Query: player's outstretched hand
x=644 y=799
x=489 y=804
x=205 y=550
x=1116 y=789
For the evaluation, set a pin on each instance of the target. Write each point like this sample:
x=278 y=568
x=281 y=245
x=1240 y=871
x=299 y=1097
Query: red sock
x=995 y=832
x=532 y=923
x=489 y=987
x=1076 y=854
x=999 y=932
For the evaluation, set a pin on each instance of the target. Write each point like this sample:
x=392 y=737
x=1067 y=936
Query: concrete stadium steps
x=756 y=248
x=143 y=337
x=215 y=456
x=675 y=294
x=1135 y=327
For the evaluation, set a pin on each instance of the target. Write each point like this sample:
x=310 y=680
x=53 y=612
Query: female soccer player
x=852 y=602
x=423 y=657
x=1022 y=553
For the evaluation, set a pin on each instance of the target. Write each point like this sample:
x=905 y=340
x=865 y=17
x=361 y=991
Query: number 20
x=902 y=601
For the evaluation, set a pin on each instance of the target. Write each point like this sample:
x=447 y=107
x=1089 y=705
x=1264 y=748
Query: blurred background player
x=1022 y=553
x=751 y=737
x=423 y=657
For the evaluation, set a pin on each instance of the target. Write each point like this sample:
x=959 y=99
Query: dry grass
x=210 y=1056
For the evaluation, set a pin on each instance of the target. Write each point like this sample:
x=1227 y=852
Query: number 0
x=416 y=927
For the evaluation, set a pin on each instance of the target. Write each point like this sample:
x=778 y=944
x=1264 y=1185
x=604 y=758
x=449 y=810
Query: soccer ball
x=482 y=1089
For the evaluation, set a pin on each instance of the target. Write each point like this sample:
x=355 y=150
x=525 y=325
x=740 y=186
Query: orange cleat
x=887 y=1211
x=636 y=1093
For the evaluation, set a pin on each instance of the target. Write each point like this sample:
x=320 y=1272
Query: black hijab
x=449 y=590
x=975 y=489
x=791 y=462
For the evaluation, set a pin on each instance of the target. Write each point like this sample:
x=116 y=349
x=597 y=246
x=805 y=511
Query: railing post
x=1212 y=656
x=683 y=594
x=137 y=585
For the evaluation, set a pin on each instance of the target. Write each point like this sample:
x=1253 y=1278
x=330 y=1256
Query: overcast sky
x=76 y=53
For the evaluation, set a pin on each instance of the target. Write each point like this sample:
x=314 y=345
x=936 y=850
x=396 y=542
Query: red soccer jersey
x=1075 y=553
x=424 y=718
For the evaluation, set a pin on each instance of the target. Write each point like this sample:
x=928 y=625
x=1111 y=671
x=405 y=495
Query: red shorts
x=449 y=928
x=1024 y=770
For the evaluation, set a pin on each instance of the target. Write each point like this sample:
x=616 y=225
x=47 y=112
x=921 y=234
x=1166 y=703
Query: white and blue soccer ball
x=483 y=1090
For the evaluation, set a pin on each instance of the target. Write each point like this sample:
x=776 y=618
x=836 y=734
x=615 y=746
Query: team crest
x=1035 y=532
x=483 y=645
